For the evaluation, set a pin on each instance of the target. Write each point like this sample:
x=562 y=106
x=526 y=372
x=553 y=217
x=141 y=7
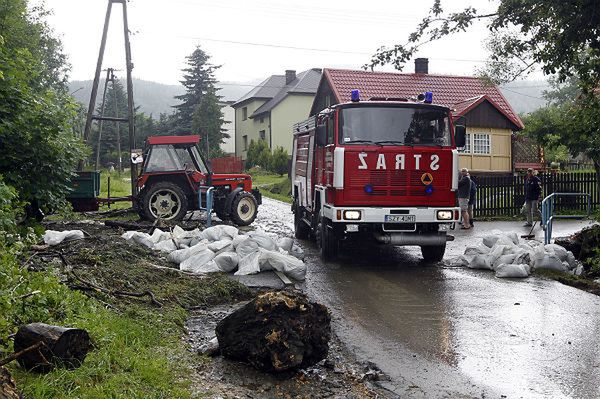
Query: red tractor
x=174 y=173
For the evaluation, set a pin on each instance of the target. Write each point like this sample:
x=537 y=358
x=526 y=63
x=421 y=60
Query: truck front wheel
x=326 y=240
x=244 y=209
x=433 y=253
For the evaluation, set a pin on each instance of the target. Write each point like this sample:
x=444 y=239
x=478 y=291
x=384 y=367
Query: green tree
x=198 y=80
x=207 y=122
x=279 y=161
x=38 y=147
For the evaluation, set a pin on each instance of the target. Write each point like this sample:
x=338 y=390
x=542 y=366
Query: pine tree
x=207 y=122
x=198 y=79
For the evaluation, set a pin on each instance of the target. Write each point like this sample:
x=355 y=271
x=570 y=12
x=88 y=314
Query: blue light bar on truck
x=355 y=95
x=428 y=97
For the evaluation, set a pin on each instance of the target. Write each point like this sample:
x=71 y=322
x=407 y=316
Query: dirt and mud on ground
x=108 y=268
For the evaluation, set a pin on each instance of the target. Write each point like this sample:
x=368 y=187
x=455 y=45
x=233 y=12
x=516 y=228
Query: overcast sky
x=348 y=32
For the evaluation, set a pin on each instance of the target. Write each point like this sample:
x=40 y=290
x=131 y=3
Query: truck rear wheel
x=433 y=253
x=244 y=209
x=326 y=240
x=164 y=200
x=301 y=229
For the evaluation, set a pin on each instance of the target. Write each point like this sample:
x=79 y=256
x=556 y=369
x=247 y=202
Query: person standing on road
x=464 y=192
x=472 y=196
x=533 y=190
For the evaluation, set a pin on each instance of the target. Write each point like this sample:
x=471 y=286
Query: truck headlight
x=444 y=215
x=352 y=215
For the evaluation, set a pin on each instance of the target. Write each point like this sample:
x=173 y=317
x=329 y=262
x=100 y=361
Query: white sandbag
x=142 y=239
x=216 y=233
x=183 y=254
x=578 y=271
x=178 y=232
x=237 y=240
x=246 y=247
x=557 y=250
x=490 y=240
x=512 y=271
x=197 y=240
x=551 y=262
x=286 y=243
x=496 y=252
x=194 y=263
x=52 y=237
x=219 y=245
x=480 y=262
x=297 y=252
x=288 y=265
x=226 y=261
x=183 y=242
x=167 y=246
x=209 y=267
x=504 y=259
x=522 y=258
x=128 y=234
x=571 y=260
x=477 y=250
x=249 y=264
x=158 y=235
x=263 y=240
x=514 y=238
x=459 y=261
x=191 y=234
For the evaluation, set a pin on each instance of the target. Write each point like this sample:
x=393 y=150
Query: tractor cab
x=174 y=173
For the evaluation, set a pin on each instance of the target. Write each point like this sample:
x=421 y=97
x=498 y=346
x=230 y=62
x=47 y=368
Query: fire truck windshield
x=389 y=125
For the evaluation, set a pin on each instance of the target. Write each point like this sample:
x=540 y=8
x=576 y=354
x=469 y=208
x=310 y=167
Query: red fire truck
x=385 y=169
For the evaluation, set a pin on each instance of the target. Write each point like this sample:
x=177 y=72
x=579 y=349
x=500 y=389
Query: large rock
x=583 y=243
x=277 y=331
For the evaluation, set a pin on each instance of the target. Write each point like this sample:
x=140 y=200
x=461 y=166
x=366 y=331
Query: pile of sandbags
x=223 y=249
x=510 y=257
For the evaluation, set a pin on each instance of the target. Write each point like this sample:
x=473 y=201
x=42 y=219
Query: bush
x=279 y=161
x=258 y=155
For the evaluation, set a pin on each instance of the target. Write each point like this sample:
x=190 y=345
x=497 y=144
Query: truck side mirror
x=321 y=135
x=460 y=136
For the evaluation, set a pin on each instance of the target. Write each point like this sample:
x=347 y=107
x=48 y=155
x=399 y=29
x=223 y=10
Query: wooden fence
x=504 y=195
x=227 y=165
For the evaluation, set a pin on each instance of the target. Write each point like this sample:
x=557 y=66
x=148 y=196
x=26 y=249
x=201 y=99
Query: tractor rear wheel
x=243 y=209
x=164 y=200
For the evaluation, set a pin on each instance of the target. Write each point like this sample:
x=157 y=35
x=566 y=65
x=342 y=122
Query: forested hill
x=156 y=98
x=152 y=97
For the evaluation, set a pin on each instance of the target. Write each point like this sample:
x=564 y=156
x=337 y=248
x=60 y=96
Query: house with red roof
x=489 y=118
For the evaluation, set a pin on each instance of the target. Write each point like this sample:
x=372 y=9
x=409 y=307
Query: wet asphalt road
x=438 y=331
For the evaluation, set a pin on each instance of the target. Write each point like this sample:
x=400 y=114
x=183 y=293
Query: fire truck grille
x=398 y=183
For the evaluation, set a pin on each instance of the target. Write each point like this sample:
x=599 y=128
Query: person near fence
x=472 y=197
x=533 y=191
x=464 y=192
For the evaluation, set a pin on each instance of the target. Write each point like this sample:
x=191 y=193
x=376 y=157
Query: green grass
x=580 y=282
x=273 y=185
x=120 y=186
x=138 y=351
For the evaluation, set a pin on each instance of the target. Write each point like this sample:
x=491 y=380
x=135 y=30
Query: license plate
x=400 y=218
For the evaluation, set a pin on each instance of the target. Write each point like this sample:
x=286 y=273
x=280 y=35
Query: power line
x=523 y=94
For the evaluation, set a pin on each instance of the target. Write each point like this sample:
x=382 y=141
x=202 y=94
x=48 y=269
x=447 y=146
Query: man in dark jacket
x=472 y=196
x=464 y=192
x=533 y=191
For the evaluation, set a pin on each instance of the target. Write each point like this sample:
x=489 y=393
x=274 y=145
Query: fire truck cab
x=383 y=169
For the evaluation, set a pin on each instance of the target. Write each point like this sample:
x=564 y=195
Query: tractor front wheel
x=244 y=209
x=164 y=200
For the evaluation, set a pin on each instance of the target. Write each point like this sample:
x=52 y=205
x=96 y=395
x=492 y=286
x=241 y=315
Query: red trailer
x=382 y=169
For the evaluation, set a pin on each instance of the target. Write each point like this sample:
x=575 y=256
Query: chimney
x=290 y=76
x=422 y=65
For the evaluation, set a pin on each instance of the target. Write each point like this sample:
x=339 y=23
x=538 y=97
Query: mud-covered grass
x=580 y=282
x=138 y=351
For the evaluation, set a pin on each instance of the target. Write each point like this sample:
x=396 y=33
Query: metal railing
x=548 y=215
x=209 y=203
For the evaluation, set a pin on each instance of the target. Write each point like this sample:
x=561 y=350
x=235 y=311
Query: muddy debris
x=277 y=331
x=8 y=387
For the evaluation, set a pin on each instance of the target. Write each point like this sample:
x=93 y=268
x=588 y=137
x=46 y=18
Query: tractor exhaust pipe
x=413 y=239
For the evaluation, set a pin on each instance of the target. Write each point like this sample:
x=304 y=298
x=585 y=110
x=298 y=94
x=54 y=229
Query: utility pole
x=109 y=77
x=131 y=110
